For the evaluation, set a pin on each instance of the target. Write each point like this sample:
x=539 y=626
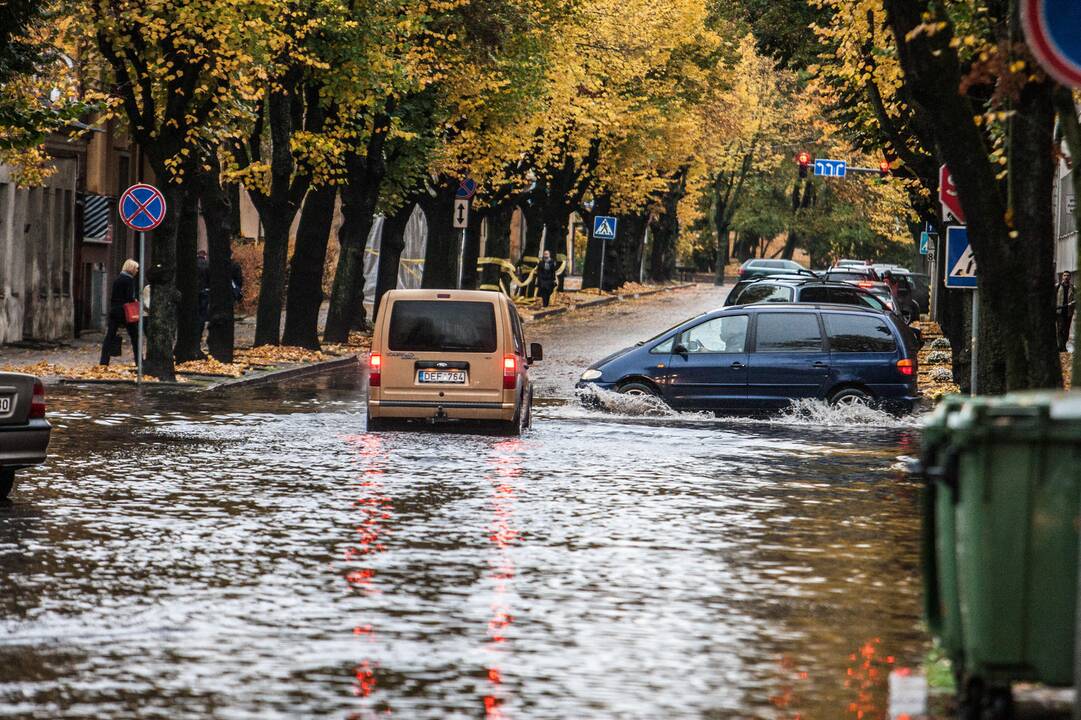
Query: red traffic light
x=884 y=168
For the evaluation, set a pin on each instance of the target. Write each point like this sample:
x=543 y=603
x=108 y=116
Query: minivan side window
x=442 y=326
x=726 y=334
x=765 y=292
x=859 y=334
x=788 y=332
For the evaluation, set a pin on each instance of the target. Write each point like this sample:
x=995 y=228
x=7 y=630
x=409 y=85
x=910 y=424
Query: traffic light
x=884 y=169
x=804 y=160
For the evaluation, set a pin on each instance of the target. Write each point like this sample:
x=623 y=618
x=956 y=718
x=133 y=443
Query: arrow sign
x=831 y=168
x=960 y=262
x=604 y=227
x=461 y=213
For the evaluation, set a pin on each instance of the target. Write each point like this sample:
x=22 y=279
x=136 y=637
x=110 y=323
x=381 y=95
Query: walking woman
x=122 y=294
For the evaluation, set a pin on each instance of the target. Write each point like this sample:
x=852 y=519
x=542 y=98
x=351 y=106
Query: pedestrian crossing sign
x=604 y=227
x=960 y=262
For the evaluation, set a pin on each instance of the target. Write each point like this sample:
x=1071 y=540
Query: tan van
x=450 y=355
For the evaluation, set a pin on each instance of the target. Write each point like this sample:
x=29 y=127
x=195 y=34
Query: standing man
x=546 y=277
x=1064 y=307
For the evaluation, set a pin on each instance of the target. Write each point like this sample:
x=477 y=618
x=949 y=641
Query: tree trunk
x=161 y=275
x=305 y=293
x=189 y=327
x=218 y=214
x=498 y=246
x=722 y=254
x=347 y=293
x=268 y=315
x=441 y=252
x=470 y=277
x=1023 y=315
x=390 y=253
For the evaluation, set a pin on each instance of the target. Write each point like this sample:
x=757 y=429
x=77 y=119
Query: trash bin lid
x=1029 y=411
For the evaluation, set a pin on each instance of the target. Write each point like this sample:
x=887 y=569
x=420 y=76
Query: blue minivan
x=754 y=358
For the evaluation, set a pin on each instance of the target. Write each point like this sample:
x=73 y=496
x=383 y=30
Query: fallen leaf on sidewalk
x=210 y=366
x=270 y=354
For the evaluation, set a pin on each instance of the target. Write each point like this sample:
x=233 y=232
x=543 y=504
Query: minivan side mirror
x=536 y=352
x=680 y=349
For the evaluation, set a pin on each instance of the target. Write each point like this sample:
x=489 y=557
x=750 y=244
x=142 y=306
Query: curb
x=606 y=300
x=286 y=373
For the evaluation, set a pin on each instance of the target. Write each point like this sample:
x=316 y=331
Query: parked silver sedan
x=24 y=431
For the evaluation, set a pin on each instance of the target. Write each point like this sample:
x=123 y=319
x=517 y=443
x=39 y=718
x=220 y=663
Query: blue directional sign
x=1051 y=30
x=604 y=227
x=831 y=168
x=925 y=242
x=142 y=207
x=960 y=262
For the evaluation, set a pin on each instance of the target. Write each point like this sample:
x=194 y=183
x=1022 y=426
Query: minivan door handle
x=737 y=365
x=820 y=364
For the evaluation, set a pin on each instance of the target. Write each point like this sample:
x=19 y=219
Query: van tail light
x=37 y=401
x=906 y=367
x=510 y=372
x=375 y=377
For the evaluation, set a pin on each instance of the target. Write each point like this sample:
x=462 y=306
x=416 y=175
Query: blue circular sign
x=1051 y=28
x=142 y=207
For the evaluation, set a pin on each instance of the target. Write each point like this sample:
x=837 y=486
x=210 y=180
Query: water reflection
x=503 y=535
x=261 y=555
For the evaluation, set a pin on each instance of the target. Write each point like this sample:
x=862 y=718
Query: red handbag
x=131 y=312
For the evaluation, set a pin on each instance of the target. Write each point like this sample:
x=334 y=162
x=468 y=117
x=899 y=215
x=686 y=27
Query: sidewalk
x=565 y=302
x=76 y=361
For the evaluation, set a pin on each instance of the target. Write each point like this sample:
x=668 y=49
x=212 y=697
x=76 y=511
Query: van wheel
x=7 y=482
x=514 y=426
x=528 y=422
x=852 y=396
x=637 y=388
x=377 y=424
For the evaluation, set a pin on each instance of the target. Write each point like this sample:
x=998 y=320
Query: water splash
x=809 y=412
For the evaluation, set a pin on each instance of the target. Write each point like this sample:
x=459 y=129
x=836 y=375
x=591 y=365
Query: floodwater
x=258 y=554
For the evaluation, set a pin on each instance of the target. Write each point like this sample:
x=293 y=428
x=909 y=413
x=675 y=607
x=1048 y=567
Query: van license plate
x=5 y=405
x=441 y=376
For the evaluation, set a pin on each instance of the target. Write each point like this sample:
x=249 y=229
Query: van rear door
x=443 y=349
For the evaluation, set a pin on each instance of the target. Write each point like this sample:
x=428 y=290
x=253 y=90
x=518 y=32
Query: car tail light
x=510 y=372
x=37 y=402
x=865 y=284
x=375 y=377
x=906 y=367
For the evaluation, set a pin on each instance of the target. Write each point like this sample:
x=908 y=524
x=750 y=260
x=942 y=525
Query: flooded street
x=256 y=553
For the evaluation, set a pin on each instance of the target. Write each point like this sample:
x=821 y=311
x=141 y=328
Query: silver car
x=24 y=431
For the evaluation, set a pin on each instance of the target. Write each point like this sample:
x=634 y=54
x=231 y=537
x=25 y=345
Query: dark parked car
x=760 y=268
x=795 y=288
x=852 y=273
x=24 y=431
x=753 y=358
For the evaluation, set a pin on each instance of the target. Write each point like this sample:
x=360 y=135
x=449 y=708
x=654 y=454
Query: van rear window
x=442 y=325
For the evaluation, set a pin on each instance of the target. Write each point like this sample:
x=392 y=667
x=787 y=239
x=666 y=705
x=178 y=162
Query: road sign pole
x=461 y=257
x=604 y=251
x=975 y=354
x=142 y=284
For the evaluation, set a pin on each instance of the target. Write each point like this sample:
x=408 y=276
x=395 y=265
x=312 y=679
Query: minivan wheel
x=637 y=388
x=7 y=482
x=852 y=396
x=377 y=424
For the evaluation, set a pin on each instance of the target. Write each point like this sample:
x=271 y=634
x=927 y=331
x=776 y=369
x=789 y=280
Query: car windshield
x=844 y=275
x=764 y=292
x=660 y=335
x=442 y=326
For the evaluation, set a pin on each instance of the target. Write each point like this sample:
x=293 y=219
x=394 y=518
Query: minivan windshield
x=442 y=325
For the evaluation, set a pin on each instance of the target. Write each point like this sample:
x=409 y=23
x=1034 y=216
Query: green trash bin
x=1005 y=507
